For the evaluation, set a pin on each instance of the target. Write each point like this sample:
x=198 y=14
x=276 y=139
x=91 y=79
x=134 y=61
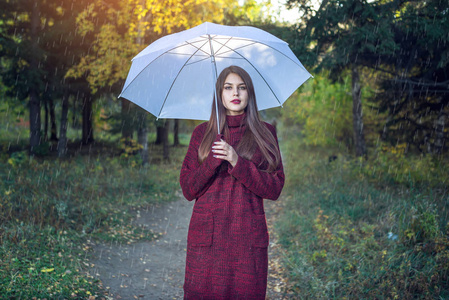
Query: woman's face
x=234 y=95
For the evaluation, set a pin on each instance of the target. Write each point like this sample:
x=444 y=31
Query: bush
x=392 y=165
x=351 y=234
x=52 y=210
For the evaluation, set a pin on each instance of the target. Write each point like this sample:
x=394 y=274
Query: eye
x=228 y=87
x=243 y=87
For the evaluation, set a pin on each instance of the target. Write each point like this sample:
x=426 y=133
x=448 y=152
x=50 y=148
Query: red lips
x=236 y=101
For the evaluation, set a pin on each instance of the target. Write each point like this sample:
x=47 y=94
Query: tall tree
x=414 y=82
x=35 y=102
x=121 y=29
x=62 y=142
x=404 y=42
x=21 y=21
x=39 y=41
x=176 y=133
x=347 y=35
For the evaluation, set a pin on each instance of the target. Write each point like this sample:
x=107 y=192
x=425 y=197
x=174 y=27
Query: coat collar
x=236 y=121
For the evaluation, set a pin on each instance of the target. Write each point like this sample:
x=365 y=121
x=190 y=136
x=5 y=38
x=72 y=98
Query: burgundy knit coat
x=228 y=238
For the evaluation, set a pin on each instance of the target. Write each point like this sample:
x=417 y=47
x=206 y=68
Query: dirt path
x=155 y=270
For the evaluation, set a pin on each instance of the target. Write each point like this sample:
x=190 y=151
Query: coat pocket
x=201 y=230
x=260 y=231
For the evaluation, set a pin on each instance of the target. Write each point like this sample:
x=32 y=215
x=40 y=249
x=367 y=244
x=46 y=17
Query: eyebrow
x=238 y=84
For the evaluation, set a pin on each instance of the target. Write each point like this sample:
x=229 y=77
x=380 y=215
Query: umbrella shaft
x=214 y=74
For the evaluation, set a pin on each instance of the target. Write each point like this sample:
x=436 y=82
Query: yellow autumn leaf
x=47 y=270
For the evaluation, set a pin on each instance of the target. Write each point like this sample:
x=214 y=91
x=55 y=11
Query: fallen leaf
x=47 y=270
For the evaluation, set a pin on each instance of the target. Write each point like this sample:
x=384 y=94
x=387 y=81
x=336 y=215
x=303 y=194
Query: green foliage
x=402 y=43
x=251 y=12
x=133 y=23
x=419 y=225
x=44 y=263
x=87 y=187
x=130 y=148
x=349 y=234
x=413 y=88
x=13 y=126
x=52 y=211
x=392 y=165
x=18 y=158
x=323 y=110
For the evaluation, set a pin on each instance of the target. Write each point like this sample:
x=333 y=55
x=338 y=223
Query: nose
x=236 y=91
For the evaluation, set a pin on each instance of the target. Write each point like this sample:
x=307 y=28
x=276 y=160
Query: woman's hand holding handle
x=223 y=150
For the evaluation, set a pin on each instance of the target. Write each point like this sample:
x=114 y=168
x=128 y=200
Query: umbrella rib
x=199 y=48
x=280 y=104
x=217 y=56
x=187 y=54
x=222 y=46
x=208 y=55
x=198 y=61
x=174 y=80
x=165 y=52
x=258 y=42
x=233 y=49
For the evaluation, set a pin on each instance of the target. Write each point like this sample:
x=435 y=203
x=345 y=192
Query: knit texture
x=228 y=238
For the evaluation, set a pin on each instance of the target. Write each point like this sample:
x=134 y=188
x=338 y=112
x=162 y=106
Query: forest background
x=365 y=206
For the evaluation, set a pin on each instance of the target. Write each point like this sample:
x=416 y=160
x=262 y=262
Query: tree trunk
x=62 y=143
x=53 y=131
x=142 y=137
x=142 y=132
x=384 y=134
x=127 y=128
x=88 y=134
x=176 y=133
x=357 y=114
x=75 y=111
x=46 y=121
x=34 y=102
x=165 y=147
x=439 y=133
x=159 y=134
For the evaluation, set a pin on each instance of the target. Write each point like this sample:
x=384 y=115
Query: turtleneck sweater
x=236 y=128
x=228 y=238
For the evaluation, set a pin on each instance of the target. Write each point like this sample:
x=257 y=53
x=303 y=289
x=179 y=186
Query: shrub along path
x=155 y=269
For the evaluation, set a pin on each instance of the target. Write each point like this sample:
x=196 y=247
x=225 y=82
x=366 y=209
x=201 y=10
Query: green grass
x=51 y=211
x=352 y=233
x=45 y=263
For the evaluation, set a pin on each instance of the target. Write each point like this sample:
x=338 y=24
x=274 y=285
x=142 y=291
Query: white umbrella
x=175 y=76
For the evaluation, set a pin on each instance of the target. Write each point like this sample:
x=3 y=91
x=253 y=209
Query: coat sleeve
x=195 y=177
x=263 y=184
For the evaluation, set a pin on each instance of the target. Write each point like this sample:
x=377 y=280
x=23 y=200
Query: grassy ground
x=350 y=229
x=52 y=210
x=363 y=230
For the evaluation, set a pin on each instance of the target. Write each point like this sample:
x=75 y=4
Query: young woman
x=229 y=175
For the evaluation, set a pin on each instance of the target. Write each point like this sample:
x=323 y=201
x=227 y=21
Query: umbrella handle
x=214 y=74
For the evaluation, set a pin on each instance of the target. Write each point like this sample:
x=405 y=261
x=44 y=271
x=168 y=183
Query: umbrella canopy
x=175 y=76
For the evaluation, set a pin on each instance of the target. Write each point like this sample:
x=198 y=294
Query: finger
x=221 y=152
x=222 y=145
x=218 y=147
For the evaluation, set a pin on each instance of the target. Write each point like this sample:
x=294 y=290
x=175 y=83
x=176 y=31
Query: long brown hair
x=256 y=133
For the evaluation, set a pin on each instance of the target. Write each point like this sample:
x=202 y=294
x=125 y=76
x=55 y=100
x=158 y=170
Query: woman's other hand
x=223 y=150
